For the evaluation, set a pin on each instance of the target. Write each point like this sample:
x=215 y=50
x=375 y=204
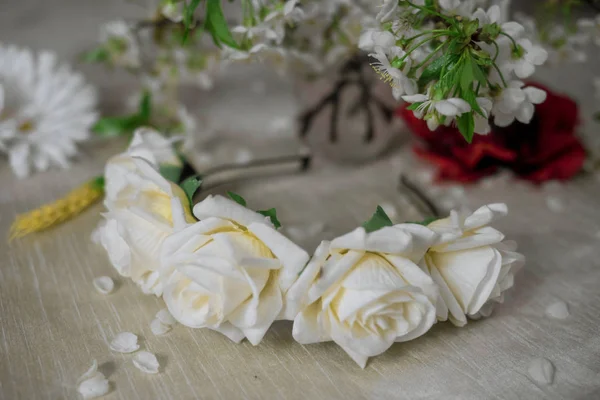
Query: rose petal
x=125 y=342
x=146 y=362
x=165 y=317
x=478 y=238
x=221 y=207
x=307 y=327
x=291 y=255
x=104 y=284
x=297 y=295
x=332 y=271
x=485 y=215
x=270 y=304
x=470 y=275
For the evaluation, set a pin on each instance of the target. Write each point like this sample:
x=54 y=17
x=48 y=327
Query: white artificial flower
x=471 y=264
x=230 y=272
x=591 y=27
x=401 y=84
x=365 y=291
x=372 y=38
x=45 y=110
x=143 y=208
x=120 y=42
x=516 y=102
x=533 y=55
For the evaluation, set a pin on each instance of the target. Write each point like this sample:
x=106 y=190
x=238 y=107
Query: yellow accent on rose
x=50 y=215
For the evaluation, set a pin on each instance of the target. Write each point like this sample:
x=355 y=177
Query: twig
x=417 y=194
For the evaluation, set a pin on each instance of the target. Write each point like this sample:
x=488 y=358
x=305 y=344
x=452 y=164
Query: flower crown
x=220 y=265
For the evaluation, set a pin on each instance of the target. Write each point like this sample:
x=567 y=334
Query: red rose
x=545 y=149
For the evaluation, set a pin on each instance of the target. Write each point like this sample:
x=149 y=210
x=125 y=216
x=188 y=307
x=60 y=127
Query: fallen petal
x=558 y=310
x=90 y=372
x=125 y=342
x=146 y=362
x=541 y=370
x=104 y=284
x=93 y=384
x=158 y=328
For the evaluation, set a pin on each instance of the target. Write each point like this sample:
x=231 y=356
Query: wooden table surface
x=53 y=323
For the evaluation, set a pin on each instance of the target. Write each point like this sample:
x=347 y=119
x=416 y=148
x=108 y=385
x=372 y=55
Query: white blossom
x=120 y=42
x=516 y=102
x=591 y=27
x=398 y=79
x=532 y=56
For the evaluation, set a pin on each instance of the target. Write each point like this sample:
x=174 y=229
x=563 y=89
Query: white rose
x=121 y=174
x=365 y=291
x=230 y=272
x=470 y=264
x=143 y=208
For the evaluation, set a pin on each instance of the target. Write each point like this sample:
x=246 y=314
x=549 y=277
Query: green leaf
x=470 y=97
x=188 y=17
x=190 y=186
x=449 y=78
x=145 y=108
x=272 y=214
x=466 y=126
x=426 y=221
x=237 y=198
x=597 y=116
x=479 y=74
x=171 y=172
x=434 y=69
x=216 y=24
x=379 y=220
x=98 y=182
x=116 y=126
x=467 y=77
x=99 y=54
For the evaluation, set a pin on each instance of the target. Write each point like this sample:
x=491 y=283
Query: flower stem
x=511 y=39
x=497 y=51
x=501 y=75
x=432 y=12
x=422 y=63
x=421 y=43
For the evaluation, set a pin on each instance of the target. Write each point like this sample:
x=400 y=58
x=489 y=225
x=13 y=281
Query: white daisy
x=45 y=109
